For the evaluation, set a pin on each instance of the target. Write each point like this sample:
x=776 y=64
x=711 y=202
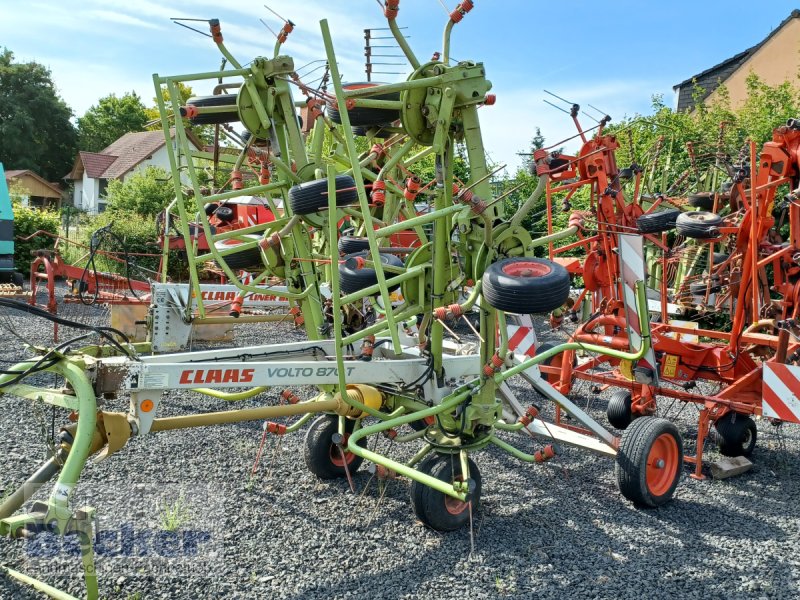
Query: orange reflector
x=146 y=405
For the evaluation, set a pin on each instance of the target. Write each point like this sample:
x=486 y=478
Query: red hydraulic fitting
x=539 y=154
x=236 y=180
x=470 y=282
x=294 y=166
x=490 y=99
x=576 y=219
x=356 y=263
x=436 y=57
x=471 y=199
x=288 y=27
x=462 y=9
x=412 y=188
x=379 y=192
x=290 y=396
x=556 y=318
x=276 y=428
x=391 y=9
x=368 y=347
x=529 y=415
x=216 y=30
x=494 y=365
x=299 y=319
x=447 y=313
x=390 y=433
x=544 y=454
x=236 y=306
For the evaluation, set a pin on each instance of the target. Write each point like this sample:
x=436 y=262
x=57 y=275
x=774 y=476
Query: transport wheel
x=352 y=279
x=701 y=200
x=649 y=461
x=526 y=285
x=657 y=222
x=18 y=279
x=554 y=361
x=244 y=259
x=351 y=244
x=698 y=224
x=377 y=133
x=311 y=196
x=367 y=117
x=737 y=434
x=438 y=510
x=618 y=410
x=231 y=116
x=322 y=455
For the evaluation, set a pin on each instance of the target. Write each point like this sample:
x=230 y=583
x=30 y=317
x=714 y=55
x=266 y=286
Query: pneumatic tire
x=311 y=196
x=526 y=285
x=323 y=457
x=657 y=222
x=698 y=224
x=352 y=279
x=231 y=116
x=737 y=434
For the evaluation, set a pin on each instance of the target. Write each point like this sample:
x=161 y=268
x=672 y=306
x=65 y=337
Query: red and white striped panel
x=521 y=340
x=251 y=220
x=631 y=263
x=780 y=392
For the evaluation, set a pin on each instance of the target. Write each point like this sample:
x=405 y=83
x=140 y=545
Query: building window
x=103 y=186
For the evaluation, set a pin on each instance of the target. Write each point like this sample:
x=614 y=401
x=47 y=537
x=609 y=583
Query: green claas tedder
x=374 y=375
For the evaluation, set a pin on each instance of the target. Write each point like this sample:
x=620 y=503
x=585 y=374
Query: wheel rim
x=526 y=268
x=335 y=453
x=662 y=464
x=454 y=506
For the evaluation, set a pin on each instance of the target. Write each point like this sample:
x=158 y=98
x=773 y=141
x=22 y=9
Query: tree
x=110 y=119
x=35 y=127
x=152 y=113
x=145 y=192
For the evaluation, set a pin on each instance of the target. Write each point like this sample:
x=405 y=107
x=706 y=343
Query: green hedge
x=26 y=222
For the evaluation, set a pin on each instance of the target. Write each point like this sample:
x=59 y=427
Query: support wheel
x=554 y=361
x=349 y=244
x=649 y=462
x=353 y=279
x=618 y=410
x=323 y=457
x=737 y=434
x=438 y=510
x=698 y=224
x=657 y=222
x=230 y=116
x=526 y=285
x=312 y=196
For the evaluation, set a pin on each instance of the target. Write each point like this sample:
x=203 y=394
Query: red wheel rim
x=662 y=464
x=453 y=505
x=526 y=268
x=335 y=453
x=556 y=363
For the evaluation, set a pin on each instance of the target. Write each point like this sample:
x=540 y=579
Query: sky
x=614 y=55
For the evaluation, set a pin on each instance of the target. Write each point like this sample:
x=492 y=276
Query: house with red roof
x=131 y=153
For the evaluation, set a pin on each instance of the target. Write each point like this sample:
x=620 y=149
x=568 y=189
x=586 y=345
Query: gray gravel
x=546 y=531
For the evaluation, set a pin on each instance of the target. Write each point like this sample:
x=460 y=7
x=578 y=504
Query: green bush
x=26 y=222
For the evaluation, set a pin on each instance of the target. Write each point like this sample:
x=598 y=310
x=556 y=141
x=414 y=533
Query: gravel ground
x=546 y=531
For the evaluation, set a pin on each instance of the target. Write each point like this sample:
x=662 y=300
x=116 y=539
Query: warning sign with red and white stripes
x=522 y=340
x=780 y=392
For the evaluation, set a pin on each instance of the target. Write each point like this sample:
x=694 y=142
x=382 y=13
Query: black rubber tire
x=367 y=117
x=618 y=410
x=698 y=224
x=436 y=509
x=657 y=222
x=244 y=259
x=311 y=196
x=18 y=279
x=210 y=208
x=349 y=244
x=224 y=214
x=737 y=434
x=507 y=287
x=632 y=461
x=231 y=116
x=354 y=280
x=322 y=456
x=701 y=200
x=415 y=489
